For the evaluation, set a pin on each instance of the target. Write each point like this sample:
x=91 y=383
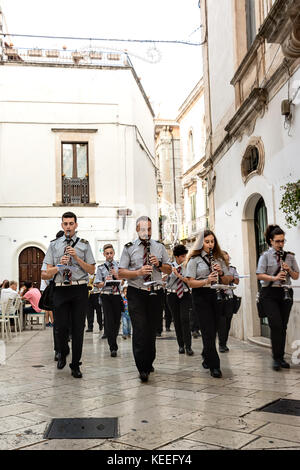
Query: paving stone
x=290 y=433
x=221 y=437
x=269 y=443
x=180 y=399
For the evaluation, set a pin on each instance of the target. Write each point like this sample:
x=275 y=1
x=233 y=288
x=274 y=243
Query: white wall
x=34 y=100
x=221 y=59
x=282 y=165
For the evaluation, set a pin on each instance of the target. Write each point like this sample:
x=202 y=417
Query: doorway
x=260 y=225
x=30 y=264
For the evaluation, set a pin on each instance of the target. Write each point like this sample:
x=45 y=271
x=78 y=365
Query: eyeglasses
x=280 y=241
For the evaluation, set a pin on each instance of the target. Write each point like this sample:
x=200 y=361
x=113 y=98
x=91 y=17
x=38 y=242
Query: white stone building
x=191 y=119
x=251 y=59
x=76 y=133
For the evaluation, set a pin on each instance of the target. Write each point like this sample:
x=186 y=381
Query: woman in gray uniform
x=179 y=301
x=201 y=273
x=275 y=269
x=226 y=317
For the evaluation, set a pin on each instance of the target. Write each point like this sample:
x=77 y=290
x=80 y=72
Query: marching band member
x=141 y=260
x=226 y=317
x=275 y=269
x=93 y=304
x=179 y=300
x=111 y=297
x=201 y=273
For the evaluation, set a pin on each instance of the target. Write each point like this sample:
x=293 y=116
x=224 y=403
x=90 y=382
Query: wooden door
x=30 y=263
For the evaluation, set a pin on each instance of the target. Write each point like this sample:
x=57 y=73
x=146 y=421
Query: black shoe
x=284 y=364
x=61 y=361
x=168 y=329
x=223 y=349
x=158 y=334
x=56 y=355
x=216 y=373
x=76 y=373
x=181 y=350
x=276 y=365
x=113 y=353
x=204 y=365
x=151 y=370
x=103 y=336
x=89 y=330
x=144 y=376
x=189 y=352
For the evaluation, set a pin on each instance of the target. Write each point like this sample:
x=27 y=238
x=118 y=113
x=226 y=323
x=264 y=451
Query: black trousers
x=180 y=309
x=194 y=322
x=278 y=313
x=112 y=316
x=93 y=304
x=168 y=313
x=208 y=312
x=70 y=301
x=144 y=310
x=225 y=322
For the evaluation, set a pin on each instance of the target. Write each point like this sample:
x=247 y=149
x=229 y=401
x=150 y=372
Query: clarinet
x=218 y=291
x=152 y=292
x=67 y=272
x=286 y=296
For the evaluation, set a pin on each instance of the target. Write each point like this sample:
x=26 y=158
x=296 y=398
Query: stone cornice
x=282 y=26
x=251 y=108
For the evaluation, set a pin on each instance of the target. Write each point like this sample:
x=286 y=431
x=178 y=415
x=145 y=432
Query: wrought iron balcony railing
x=75 y=190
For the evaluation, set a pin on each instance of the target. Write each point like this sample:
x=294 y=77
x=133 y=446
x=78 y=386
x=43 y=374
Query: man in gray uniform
x=143 y=306
x=70 y=293
x=110 y=296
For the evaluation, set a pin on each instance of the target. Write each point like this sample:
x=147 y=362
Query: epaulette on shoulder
x=290 y=253
x=128 y=244
x=159 y=241
x=54 y=239
x=82 y=240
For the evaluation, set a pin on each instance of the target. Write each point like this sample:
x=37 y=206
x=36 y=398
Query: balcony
x=75 y=190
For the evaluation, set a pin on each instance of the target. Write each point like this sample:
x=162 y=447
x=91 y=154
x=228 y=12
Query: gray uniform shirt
x=172 y=280
x=103 y=272
x=233 y=272
x=132 y=258
x=83 y=250
x=198 y=269
x=267 y=264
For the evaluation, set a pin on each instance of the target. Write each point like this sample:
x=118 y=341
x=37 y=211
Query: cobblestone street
x=181 y=407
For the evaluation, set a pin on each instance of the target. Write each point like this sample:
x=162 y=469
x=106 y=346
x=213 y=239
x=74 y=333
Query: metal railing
x=56 y=56
x=75 y=190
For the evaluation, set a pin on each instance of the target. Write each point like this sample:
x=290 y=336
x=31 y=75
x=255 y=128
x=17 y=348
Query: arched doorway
x=30 y=263
x=260 y=225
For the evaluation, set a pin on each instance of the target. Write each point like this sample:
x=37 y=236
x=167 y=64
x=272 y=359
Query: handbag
x=236 y=303
x=46 y=300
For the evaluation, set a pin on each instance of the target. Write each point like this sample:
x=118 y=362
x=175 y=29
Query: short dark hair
x=28 y=284
x=108 y=245
x=69 y=215
x=179 y=250
x=143 y=218
x=271 y=231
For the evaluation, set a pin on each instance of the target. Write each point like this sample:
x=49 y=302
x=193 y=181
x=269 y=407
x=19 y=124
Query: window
x=250 y=21
x=253 y=159
x=75 y=182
